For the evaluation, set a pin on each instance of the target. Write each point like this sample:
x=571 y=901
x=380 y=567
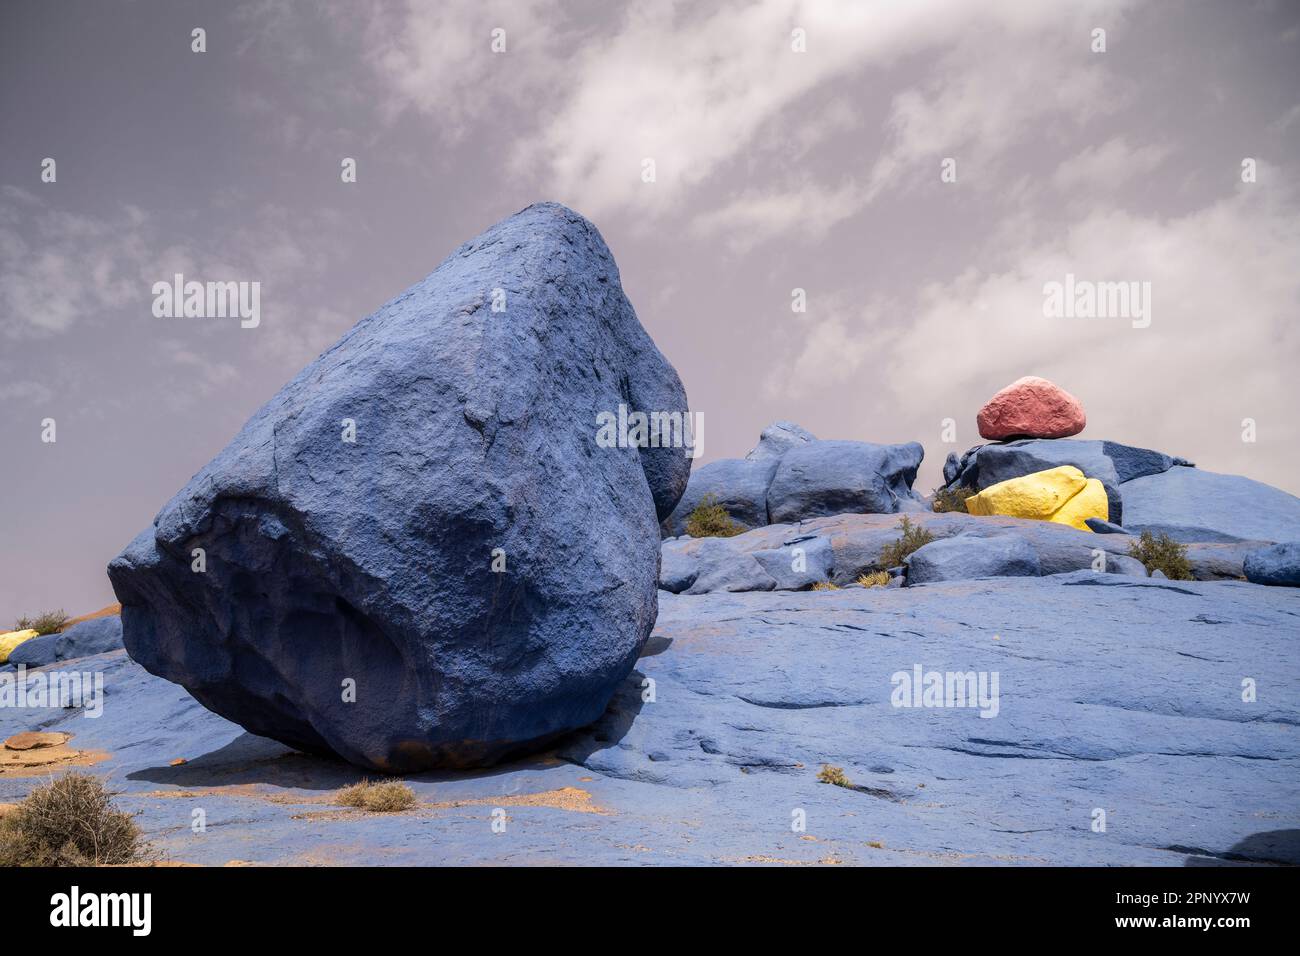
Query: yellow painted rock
x=1064 y=495
x=11 y=639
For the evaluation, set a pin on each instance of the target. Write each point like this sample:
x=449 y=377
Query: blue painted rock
x=1189 y=504
x=834 y=477
x=739 y=486
x=97 y=636
x=426 y=518
x=1278 y=565
x=963 y=557
x=777 y=439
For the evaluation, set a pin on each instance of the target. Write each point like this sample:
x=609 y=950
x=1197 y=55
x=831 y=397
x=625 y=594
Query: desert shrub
x=710 y=520
x=48 y=623
x=70 y=821
x=913 y=537
x=1159 y=552
x=951 y=499
x=825 y=586
x=386 y=797
x=874 y=579
x=833 y=775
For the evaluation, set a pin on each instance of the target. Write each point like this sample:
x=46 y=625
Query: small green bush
x=70 y=821
x=387 y=797
x=833 y=775
x=951 y=499
x=710 y=520
x=51 y=622
x=874 y=579
x=913 y=537
x=1159 y=552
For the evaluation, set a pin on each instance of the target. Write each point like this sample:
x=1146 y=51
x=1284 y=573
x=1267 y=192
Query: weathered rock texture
x=329 y=562
x=1031 y=407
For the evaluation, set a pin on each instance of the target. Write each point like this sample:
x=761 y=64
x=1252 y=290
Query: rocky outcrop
x=838 y=477
x=962 y=558
x=1278 y=565
x=777 y=439
x=418 y=553
x=738 y=699
x=738 y=485
x=855 y=541
x=1031 y=407
x=1064 y=495
x=791 y=475
x=1190 y=504
x=1109 y=462
x=95 y=636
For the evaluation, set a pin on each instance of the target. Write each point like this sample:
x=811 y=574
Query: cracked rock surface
x=1115 y=693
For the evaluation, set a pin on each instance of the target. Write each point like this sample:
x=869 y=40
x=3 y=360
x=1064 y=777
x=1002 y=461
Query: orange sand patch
x=572 y=799
x=33 y=754
x=109 y=611
x=35 y=739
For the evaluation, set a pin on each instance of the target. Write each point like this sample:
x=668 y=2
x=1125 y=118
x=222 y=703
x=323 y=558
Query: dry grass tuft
x=874 y=579
x=51 y=622
x=951 y=499
x=833 y=775
x=825 y=586
x=389 y=796
x=914 y=536
x=1159 y=552
x=70 y=821
x=710 y=520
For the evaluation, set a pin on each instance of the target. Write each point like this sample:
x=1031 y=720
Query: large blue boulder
x=964 y=557
x=420 y=553
x=1277 y=565
x=820 y=478
x=1190 y=504
x=97 y=636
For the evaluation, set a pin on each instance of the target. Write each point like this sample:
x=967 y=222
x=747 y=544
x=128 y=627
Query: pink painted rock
x=1031 y=407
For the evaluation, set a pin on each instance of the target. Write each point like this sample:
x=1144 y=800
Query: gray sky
x=775 y=170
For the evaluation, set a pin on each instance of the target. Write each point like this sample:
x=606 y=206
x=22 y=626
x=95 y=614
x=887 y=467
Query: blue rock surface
x=1114 y=694
x=777 y=439
x=1277 y=565
x=1190 y=504
x=857 y=540
x=964 y=557
x=738 y=485
x=367 y=564
x=821 y=478
x=96 y=636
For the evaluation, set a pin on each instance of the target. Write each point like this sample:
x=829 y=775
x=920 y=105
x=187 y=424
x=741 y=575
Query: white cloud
x=438 y=57
x=1224 y=291
x=57 y=267
x=1109 y=165
x=692 y=92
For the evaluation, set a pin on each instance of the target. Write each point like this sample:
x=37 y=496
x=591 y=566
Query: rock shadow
x=1266 y=848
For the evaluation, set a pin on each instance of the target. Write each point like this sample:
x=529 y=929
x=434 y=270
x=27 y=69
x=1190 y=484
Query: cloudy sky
x=775 y=170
